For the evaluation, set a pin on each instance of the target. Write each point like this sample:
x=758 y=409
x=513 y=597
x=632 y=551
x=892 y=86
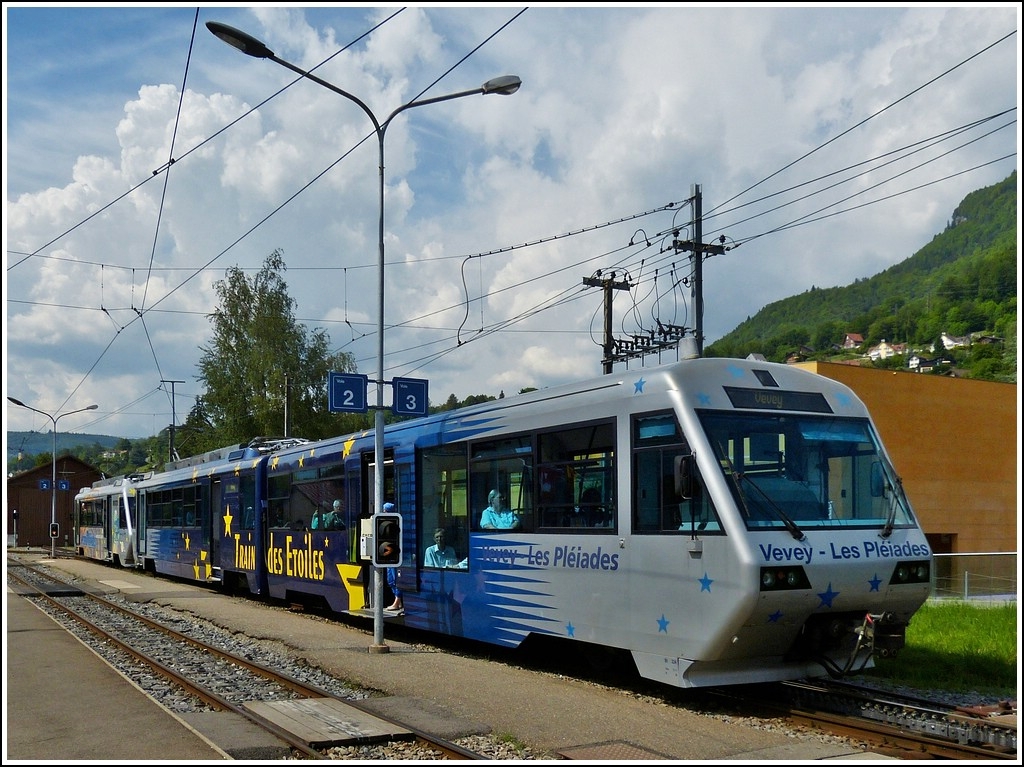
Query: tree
x=258 y=357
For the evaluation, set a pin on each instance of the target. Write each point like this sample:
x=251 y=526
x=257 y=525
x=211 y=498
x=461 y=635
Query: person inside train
x=334 y=519
x=497 y=516
x=441 y=554
x=397 y=606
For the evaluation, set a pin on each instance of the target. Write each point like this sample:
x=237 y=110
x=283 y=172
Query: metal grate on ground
x=612 y=750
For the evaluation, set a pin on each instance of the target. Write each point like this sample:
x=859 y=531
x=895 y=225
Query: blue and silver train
x=723 y=521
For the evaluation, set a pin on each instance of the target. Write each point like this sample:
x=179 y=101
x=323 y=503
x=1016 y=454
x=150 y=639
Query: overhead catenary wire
x=145 y=309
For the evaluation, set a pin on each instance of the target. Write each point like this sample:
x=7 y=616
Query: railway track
x=882 y=722
x=307 y=711
x=907 y=726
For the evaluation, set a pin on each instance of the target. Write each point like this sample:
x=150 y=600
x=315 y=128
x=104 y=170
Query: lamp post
x=504 y=86
x=53 y=478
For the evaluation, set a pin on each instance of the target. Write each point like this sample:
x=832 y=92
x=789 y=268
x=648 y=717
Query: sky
x=143 y=157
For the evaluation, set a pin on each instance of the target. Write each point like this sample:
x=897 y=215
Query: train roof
x=691 y=375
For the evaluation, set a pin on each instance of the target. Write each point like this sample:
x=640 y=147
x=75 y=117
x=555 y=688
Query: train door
x=124 y=543
x=211 y=526
x=141 y=523
x=112 y=513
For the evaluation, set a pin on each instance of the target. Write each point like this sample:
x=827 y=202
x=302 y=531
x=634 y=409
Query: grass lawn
x=958 y=646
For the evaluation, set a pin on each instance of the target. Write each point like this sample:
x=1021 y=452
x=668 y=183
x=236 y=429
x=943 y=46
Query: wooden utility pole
x=174 y=419
x=608 y=284
x=699 y=249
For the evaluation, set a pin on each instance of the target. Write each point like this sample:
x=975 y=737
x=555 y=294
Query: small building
x=953 y=342
x=30 y=494
x=885 y=350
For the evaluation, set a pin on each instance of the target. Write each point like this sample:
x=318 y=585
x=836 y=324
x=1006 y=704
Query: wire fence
x=981 y=576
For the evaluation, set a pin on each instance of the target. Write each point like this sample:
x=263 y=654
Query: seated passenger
x=497 y=516
x=335 y=519
x=440 y=554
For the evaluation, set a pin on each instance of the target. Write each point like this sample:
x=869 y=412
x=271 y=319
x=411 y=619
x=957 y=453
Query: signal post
x=346 y=393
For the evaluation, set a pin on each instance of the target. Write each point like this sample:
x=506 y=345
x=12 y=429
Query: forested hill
x=964 y=281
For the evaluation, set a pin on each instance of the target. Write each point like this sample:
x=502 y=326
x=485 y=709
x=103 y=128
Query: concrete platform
x=64 y=702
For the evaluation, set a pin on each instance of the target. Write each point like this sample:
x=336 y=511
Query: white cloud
x=501 y=201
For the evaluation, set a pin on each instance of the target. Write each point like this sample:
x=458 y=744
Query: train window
x=808 y=470
x=505 y=466
x=279 y=487
x=444 y=503
x=307 y=499
x=576 y=478
x=660 y=504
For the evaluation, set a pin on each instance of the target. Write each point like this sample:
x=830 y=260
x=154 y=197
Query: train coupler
x=885 y=634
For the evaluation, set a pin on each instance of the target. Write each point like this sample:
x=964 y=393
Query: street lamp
x=503 y=86
x=53 y=479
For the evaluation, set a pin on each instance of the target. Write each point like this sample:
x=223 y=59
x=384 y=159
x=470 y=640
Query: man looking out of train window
x=440 y=554
x=497 y=516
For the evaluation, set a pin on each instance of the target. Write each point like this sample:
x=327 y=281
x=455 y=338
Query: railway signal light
x=387 y=540
x=54 y=530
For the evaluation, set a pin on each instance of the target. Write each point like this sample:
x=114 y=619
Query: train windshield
x=805 y=472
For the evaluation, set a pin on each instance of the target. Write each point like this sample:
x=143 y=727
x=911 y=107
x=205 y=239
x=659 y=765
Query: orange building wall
x=955 y=443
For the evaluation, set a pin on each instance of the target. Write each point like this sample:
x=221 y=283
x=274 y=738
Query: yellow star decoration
x=188 y=541
x=227 y=521
x=274 y=461
x=195 y=474
x=206 y=566
x=255 y=462
x=238 y=469
x=301 y=459
x=348 y=446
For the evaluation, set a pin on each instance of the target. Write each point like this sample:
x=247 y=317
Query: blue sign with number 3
x=410 y=396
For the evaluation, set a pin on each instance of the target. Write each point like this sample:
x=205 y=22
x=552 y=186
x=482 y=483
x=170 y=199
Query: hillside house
x=853 y=341
x=953 y=342
x=921 y=364
x=885 y=350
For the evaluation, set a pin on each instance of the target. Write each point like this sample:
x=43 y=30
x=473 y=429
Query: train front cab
x=829 y=561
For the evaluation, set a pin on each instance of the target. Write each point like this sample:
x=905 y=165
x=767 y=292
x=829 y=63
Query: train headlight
x=783 y=578
x=910 y=572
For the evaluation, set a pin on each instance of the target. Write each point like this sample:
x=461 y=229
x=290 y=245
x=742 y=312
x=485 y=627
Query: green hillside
x=962 y=282
x=36 y=442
